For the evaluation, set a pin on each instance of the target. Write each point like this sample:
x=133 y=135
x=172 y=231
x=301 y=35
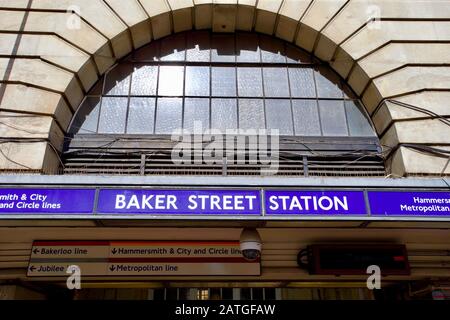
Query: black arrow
x=32 y=268
x=112 y=268
x=36 y=250
x=114 y=251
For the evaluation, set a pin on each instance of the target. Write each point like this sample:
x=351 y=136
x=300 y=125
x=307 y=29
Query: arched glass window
x=223 y=81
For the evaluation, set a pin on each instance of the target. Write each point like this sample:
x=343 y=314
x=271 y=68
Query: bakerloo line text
x=200 y=202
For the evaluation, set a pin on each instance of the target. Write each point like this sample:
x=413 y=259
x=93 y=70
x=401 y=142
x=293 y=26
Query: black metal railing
x=295 y=157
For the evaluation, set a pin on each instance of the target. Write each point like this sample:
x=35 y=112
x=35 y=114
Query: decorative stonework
x=391 y=50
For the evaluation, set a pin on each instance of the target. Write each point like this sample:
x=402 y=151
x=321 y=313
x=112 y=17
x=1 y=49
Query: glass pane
x=223 y=48
x=141 y=116
x=173 y=48
x=171 y=81
x=272 y=50
x=223 y=81
x=87 y=116
x=196 y=110
x=197 y=81
x=358 y=124
x=302 y=83
x=251 y=114
x=223 y=114
x=168 y=115
x=276 y=82
x=117 y=82
x=279 y=116
x=306 y=118
x=327 y=84
x=247 y=47
x=144 y=80
x=198 y=46
x=332 y=116
x=249 y=82
x=113 y=115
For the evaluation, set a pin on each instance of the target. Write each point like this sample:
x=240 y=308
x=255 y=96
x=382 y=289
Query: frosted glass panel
x=249 y=82
x=112 y=115
x=332 y=116
x=223 y=48
x=144 y=80
x=168 y=115
x=325 y=87
x=275 y=82
x=279 y=116
x=117 y=81
x=306 y=118
x=87 y=116
x=173 y=48
x=223 y=114
x=247 y=48
x=198 y=46
x=245 y=80
x=171 y=81
x=358 y=124
x=223 y=81
x=197 y=81
x=302 y=83
x=251 y=114
x=196 y=110
x=141 y=116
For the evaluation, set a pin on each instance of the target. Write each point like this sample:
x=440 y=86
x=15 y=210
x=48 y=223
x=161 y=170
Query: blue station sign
x=307 y=202
x=176 y=202
x=250 y=203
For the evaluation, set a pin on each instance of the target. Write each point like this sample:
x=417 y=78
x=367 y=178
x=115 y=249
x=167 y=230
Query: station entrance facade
x=282 y=244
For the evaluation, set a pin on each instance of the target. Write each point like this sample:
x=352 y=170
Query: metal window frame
x=314 y=64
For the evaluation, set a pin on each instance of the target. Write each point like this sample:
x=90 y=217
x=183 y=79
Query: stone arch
x=53 y=63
